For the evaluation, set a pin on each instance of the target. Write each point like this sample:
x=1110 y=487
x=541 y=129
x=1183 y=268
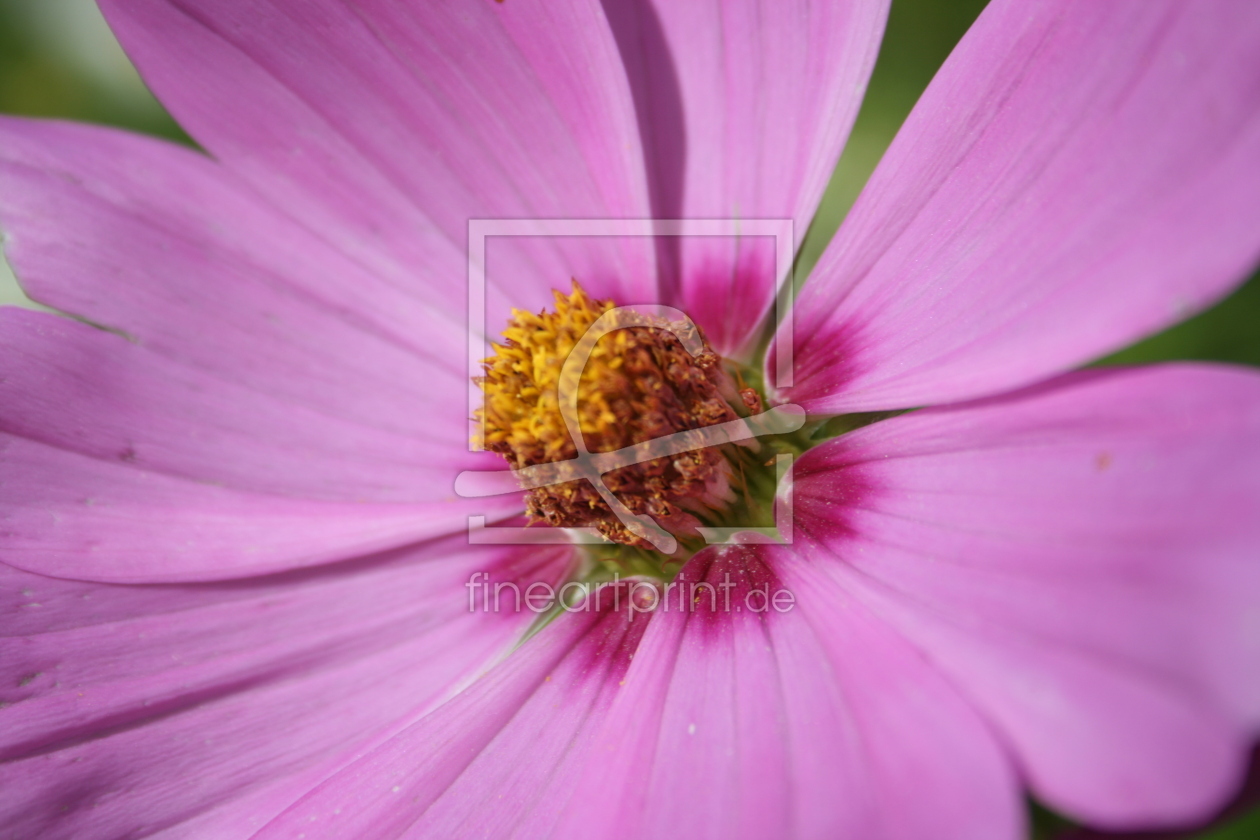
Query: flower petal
x=165 y=246
x=716 y=723
x=1078 y=175
x=261 y=362
x=1080 y=559
x=72 y=515
x=744 y=108
x=747 y=716
x=512 y=725
x=90 y=391
x=122 y=465
x=388 y=127
x=204 y=710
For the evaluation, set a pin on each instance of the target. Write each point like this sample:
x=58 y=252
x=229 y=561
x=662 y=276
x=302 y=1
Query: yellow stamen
x=639 y=384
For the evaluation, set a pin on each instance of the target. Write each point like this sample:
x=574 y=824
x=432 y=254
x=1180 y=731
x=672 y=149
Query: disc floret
x=639 y=384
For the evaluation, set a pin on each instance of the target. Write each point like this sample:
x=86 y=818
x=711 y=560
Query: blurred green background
x=58 y=59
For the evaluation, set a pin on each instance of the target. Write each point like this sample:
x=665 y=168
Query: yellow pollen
x=639 y=384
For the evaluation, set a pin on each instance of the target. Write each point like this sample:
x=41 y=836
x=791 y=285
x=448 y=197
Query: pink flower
x=236 y=580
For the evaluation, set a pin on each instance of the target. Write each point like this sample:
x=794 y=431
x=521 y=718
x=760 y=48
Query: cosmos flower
x=236 y=576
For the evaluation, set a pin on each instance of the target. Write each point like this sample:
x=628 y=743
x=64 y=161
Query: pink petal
x=72 y=515
x=90 y=391
x=512 y=725
x=1080 y=559
x=715 y=724
x=813 y=721
x=121 y=465
x=744 y=107
x=1078 y=175
x=262 y=364
x=159 y=243
x=206 y=710
x=389 y=126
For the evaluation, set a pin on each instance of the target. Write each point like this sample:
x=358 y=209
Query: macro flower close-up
x=463 y=426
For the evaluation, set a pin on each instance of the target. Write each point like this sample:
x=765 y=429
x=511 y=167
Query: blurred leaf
x=59 y=59
x=1045 y=824
x=1246 y=828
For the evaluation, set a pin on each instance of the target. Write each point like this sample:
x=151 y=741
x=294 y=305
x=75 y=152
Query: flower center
x=637 y=384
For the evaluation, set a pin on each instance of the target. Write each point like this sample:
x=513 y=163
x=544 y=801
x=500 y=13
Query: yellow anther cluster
x=639 y=384
x=522 y=409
